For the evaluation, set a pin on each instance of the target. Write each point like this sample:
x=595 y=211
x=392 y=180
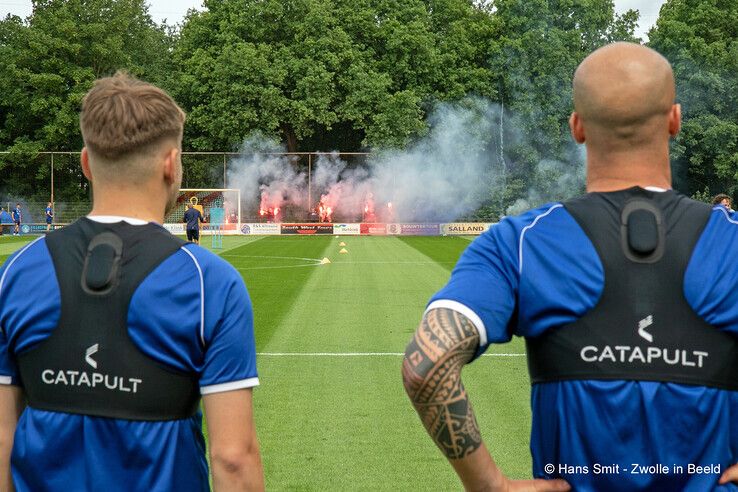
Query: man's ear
x=675 y=119
x=170 y=165
x=84 y=160
x=577 y=129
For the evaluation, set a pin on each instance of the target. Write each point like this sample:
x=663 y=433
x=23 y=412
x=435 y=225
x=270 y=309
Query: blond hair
x=123 y=117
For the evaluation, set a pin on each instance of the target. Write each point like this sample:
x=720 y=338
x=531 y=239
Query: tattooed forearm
x=431 y=372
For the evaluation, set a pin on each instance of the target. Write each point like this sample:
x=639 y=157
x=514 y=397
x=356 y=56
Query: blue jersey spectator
x=17 y=217
x=192 y=219
x=49 y=215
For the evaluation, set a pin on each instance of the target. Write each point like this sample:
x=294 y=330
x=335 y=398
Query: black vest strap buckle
x=101 y=270
x=642 y=231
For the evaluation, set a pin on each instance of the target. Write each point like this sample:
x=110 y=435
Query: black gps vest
x=89 y=365
x=642 y=327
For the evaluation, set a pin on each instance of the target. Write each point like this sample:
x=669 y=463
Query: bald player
x=628 y=311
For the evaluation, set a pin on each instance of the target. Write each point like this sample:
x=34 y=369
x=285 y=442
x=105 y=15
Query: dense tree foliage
x=49 y=63
x=361 y=74
x=700 y=38
x=321 y=73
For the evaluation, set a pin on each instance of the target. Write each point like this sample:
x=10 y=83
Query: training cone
x=342 y=244
x=343 y=251
x=325 y=261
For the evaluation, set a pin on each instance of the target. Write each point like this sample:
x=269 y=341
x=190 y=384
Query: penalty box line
x=361 y=354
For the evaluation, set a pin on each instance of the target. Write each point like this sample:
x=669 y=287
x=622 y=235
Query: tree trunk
x=289 y=137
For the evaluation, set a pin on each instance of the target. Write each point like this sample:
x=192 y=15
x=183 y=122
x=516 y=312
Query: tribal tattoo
x=431 y=372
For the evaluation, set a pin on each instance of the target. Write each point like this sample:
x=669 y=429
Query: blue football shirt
x=192 y=313
x=192 y=217
x=539 y=271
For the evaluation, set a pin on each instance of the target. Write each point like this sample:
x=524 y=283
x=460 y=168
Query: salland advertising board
x=307 y=229
x=464 y=228
x=261 y=228
x=373 y=229
x=347 y=229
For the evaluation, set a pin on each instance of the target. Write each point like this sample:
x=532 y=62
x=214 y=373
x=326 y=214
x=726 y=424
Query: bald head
x=623 y=93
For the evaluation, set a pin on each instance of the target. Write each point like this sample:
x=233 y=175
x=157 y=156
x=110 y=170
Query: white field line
x=360 y=354
x=237 y=245
x=318 y=262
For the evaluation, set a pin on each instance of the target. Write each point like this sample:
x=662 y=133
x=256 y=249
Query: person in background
x=49 y=216
x=724 y=200
x=192 y=219
x=17 y=218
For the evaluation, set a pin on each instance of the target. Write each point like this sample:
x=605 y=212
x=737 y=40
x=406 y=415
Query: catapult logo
x=636 y=354
x=92 y=379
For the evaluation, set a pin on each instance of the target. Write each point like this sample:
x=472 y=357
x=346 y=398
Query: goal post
x=206 y=200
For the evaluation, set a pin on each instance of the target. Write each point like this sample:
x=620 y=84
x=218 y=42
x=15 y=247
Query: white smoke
x=458 y=166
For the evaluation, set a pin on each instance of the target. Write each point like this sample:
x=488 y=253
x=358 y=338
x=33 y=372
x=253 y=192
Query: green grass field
x=331 y=411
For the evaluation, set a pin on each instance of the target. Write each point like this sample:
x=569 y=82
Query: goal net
x=220 y=207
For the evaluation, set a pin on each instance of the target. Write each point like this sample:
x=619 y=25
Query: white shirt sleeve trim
x=202 y=295
x=230 y=386
x=530 y=226
x=6 y=380
x=466 y=311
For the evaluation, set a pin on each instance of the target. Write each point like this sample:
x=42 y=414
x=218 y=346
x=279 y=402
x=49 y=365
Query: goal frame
x=236 y=190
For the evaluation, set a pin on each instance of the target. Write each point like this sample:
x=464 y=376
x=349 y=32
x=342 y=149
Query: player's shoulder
x=25 y=260
x=28 y=253
x=719 y=232
x=723 y=219
x=505 y=238
x=210 y=264
x=545 y=217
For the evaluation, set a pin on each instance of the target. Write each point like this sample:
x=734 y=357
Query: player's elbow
x=236 y=463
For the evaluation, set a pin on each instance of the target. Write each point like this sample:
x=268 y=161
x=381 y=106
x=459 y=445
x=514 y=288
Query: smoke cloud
x=458 y=166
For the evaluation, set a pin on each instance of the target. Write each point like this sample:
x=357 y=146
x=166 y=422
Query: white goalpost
x=225 y=202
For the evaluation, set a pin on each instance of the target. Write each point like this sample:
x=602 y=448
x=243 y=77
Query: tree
x=540 y=45
x=324 y=72
x=700 y=38
x=51 y=60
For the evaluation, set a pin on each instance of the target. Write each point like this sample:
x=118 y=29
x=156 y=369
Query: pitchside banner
x=205 y=229
x=414 y=229
x=347 y=229
x=373 y=229
x=464 y=228
x=307 y=229
x=263 y=229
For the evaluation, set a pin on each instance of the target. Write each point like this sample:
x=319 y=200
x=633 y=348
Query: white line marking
x=238 y=245
x=273 y=267
x=359 y=354
x=278 y=257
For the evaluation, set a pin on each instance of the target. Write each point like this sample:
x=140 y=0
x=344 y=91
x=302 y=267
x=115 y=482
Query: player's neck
x=612 y=171
x=133 y=204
